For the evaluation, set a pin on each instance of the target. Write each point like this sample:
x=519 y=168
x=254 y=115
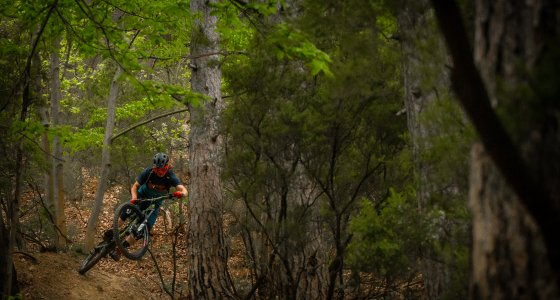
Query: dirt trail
x=55 y=276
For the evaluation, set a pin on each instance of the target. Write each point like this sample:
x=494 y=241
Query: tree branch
x=147 y=121
x=163 y=287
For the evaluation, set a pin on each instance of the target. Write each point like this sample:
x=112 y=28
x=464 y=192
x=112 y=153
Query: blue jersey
x=152 y=185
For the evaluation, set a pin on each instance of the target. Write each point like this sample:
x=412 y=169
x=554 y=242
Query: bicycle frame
x=136 y=226
x=150 y=208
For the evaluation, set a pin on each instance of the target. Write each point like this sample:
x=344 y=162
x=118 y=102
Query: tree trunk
x=425 y=79
x=509 y=257
x=208 y=253
x=13 y=205
x=5 y=278
x=57 y=172
x=49 y=176
x=13 y=213
x=414 y=28
x=105 y=162
x=13 y=208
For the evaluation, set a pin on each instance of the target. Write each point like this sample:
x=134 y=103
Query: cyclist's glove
x=133 y=201
x=177 y=194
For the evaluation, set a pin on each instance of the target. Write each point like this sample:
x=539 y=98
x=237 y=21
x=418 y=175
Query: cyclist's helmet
x=160 y=160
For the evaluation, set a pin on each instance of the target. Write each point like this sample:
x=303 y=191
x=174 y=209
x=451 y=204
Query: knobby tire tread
x=93 y=258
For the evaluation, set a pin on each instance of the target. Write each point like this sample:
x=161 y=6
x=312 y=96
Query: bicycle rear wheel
x=94 y=256
x=133 y=230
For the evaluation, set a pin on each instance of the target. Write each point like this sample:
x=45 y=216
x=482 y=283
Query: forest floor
x=54 y=275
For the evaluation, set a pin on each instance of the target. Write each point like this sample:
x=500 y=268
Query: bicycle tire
x=120 y=232
x=93 y=257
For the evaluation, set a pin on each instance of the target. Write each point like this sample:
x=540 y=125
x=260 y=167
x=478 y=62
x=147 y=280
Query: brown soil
x=55 y=276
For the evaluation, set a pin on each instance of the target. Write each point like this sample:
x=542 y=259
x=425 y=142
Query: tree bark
x=208 y=252
x=14 y=205
x=510 y=258
x=425 y=79
x=105 y=161
x=5 y=278
x=513 y=200
x=57 y=162
x=43 y=112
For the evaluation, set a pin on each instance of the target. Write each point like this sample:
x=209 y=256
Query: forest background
x=343 y=149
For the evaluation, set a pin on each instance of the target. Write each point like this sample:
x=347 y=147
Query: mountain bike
x=136 y=225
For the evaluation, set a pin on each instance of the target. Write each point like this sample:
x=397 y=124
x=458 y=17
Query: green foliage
x=303 y=148
x=17 y=296
x=450 y=141
x=72 y=138
x=386 y=237
x=80 y=139
x=97 y=37
x=163 y=95
x=311 y=128
x=290 y=43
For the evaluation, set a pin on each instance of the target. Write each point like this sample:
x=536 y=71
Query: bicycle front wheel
x=131 y=235
x=94 y=256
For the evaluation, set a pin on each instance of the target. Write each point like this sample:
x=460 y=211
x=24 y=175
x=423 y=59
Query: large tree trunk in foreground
x=514 y=191
x=208 y=254
x=509 y=256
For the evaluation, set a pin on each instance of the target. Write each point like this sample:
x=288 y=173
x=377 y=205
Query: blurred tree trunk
x=509 y=257
x=57 y=162
x=514 y=194
x=208 y=252
x=105 y=161
x=425 y=79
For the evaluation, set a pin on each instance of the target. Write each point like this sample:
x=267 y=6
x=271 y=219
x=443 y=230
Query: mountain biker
x=153 y=182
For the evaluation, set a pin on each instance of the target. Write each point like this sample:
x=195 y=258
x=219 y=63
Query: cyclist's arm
x=134 y=190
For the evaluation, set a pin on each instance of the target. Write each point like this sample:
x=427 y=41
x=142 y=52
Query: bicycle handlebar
x=168 y=196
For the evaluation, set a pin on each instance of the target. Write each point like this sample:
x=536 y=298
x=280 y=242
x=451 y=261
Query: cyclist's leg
x=130 y=240
x=124 y=215
x=108 y=234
